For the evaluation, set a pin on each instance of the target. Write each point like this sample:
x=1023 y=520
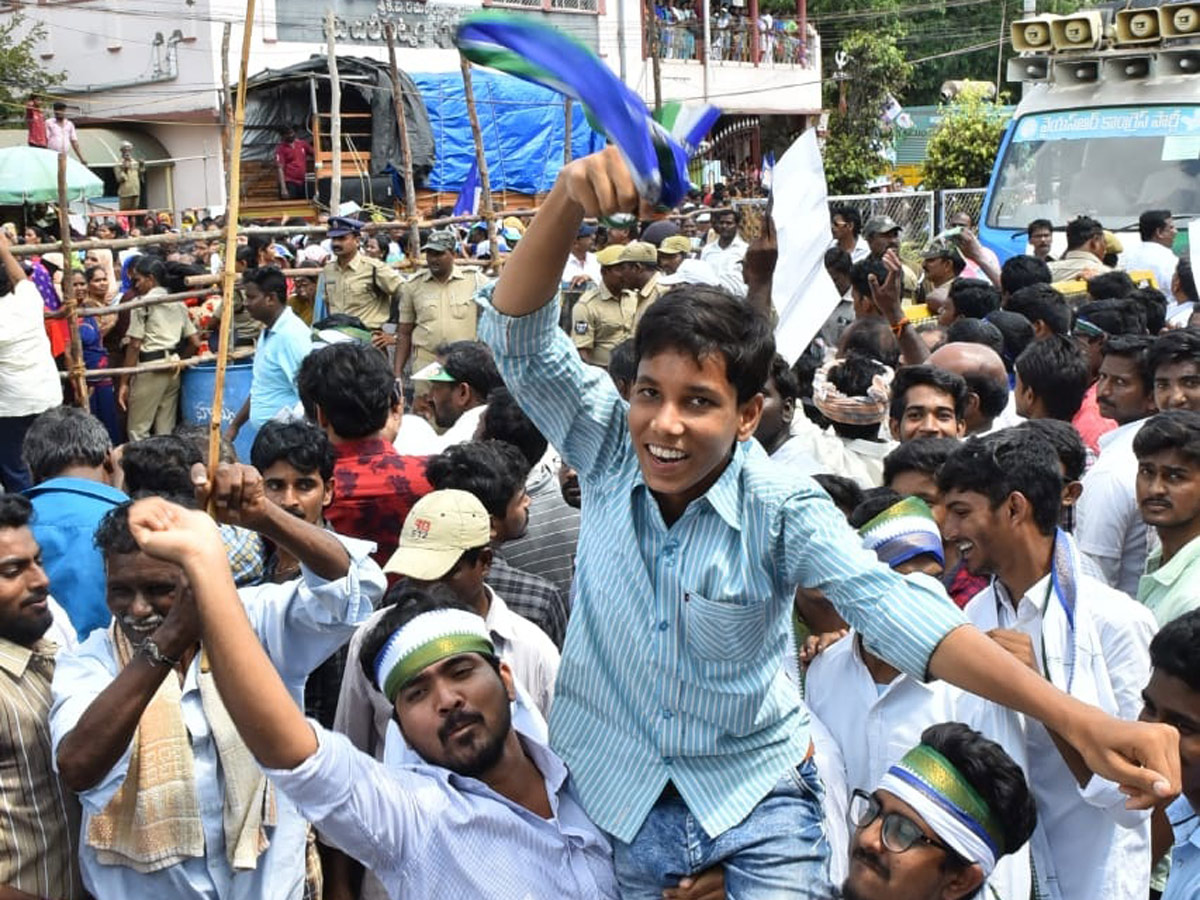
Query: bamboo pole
x=75 y=348
x=166 y=365
x=20 y=250
x=226 y=109
x=485 y=181
x=335 y=120
x=568 y=125
x=410 y=188
x=118 y=308
x=231 y=217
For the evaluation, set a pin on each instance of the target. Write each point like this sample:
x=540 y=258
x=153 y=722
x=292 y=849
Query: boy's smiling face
x=684 y=418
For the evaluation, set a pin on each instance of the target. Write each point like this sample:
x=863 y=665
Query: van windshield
x=1111 y=164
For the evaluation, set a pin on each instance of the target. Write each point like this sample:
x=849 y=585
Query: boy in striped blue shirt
x=685 y=741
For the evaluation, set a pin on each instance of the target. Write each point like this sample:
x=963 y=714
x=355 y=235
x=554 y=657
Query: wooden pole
x=75 y=348
x=655 y=63
x=157 y=299
x=226 y=107
x=335 y=121
x=568 y=125
x=481 y=161
x=410 y=188
x=232 y=207
x=168 y=365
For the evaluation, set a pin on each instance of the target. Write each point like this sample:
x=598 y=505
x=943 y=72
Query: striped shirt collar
x=14 y=658
x=725 y=494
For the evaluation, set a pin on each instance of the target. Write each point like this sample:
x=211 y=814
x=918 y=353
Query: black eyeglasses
x=899 y=832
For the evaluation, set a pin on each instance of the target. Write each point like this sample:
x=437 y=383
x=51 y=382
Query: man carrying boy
x=669 y=707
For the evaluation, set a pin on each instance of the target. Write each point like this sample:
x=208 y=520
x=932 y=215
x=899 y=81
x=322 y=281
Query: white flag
x=802 y=291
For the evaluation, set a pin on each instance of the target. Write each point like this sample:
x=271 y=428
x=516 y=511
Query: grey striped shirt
x=39 y=818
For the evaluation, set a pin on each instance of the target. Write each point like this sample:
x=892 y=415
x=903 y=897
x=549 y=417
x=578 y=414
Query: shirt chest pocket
x=461 y=307
x=721 y=631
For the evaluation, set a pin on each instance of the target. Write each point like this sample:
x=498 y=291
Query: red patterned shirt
x=374 y=487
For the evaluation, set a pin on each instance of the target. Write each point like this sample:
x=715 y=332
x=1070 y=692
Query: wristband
x=151 y=651
x=899 y=326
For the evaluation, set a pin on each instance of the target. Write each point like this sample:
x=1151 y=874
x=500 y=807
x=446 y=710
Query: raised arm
x=241 y=500
x=887 y=299
x=12 y=268
x=267 y=718
x=1141 y=757
x=101 y=736
x=596 y=185
x=758 y=267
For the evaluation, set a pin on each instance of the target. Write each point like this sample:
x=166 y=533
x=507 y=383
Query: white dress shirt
x=1108 y=526
x=416 y=437
x=860 y=252
x=1160 y=260
x=875 y=725
x=300 y=623
x=589 y=267
x=426 y=832
x=727 y=263
x=1087 y=844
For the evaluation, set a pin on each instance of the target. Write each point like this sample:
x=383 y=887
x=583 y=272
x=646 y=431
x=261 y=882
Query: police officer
x=129 y=173
x=156 y=333
x=437 y=306
x=883 y=234
x=639 y=260
x=603 y=316
x=356 y=284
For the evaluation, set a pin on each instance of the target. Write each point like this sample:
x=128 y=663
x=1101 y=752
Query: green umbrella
x=30 y=175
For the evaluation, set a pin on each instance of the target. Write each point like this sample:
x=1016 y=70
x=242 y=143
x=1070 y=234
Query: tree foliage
x=21 y=72
x=858 y=133
x=935 y=35
x=963 y=147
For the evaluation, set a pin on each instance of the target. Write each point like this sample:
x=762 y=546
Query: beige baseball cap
x=439 y=528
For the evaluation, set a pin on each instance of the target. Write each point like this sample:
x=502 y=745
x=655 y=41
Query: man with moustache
x=939 y=820
x=1109 y=527
x=1002 y=496
x=38 y=852
x=296 y=460
x=173 y=802
x=1168 y=495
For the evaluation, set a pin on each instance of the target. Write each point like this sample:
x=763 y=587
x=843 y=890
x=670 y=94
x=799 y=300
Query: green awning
x=102 y=146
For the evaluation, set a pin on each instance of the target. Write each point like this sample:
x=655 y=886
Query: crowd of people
x=568 y=584
x=733 y=33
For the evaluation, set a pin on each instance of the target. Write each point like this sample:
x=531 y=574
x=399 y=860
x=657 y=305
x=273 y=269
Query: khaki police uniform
x=651 y=291
x=154 y=396
x=441 y=312
x=364 y=288
x=601 y=321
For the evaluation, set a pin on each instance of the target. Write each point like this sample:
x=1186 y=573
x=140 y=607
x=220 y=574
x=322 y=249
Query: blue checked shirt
x=672 y=668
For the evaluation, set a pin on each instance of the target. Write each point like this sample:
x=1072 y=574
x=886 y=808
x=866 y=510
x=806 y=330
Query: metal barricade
x=911 y=210
x=951 y=201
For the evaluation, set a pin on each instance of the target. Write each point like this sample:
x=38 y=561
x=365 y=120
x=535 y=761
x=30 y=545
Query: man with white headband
x=939 y=821
x=487 y=813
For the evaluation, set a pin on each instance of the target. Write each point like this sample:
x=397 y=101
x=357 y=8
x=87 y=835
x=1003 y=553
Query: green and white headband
x=428 y=638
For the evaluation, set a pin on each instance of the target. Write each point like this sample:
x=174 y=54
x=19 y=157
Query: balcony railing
x=593 y=7
x=781 y=44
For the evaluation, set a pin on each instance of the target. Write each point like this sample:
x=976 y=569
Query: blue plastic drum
x=196 y=396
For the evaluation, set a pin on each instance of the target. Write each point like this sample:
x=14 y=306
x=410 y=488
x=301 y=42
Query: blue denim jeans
x=778 y=851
